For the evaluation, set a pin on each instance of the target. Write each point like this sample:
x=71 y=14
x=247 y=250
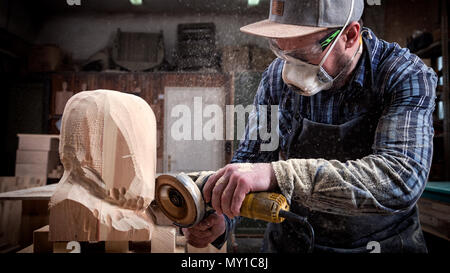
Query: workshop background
x=167 y=51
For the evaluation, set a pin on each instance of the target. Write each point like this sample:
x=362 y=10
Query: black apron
x=338 y=233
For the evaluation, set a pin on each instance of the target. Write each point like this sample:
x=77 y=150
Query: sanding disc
x=180 y=199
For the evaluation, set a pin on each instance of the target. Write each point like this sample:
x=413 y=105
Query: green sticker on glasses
x=328 y=39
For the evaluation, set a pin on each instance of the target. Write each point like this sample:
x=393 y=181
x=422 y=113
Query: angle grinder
x=180 y=199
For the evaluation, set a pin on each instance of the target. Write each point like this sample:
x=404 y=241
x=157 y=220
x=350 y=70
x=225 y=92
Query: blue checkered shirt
x=389 y=180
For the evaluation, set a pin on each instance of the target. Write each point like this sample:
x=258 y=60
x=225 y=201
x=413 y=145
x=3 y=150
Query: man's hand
x=227 y=188
x=205 y=232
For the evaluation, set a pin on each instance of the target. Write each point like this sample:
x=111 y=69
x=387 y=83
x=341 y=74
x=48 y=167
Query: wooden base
x=164 y=240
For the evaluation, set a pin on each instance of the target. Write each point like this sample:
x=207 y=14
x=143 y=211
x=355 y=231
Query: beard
x=344 y=68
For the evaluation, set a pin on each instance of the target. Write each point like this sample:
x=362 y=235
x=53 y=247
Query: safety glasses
x=325 y=41
x=303 y=54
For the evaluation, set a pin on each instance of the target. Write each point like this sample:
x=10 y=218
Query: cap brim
x=270 y=29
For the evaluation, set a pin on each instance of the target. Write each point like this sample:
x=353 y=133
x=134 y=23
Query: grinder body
x=181 y=200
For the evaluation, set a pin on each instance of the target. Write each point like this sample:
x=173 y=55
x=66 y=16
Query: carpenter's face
x=307 y=48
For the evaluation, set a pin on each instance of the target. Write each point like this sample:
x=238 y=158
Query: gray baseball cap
x=295 y=18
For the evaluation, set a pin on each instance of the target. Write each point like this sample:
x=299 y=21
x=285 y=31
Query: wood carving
x=108 y=149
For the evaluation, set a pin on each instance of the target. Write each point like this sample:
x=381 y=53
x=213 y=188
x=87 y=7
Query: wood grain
x=108 y=149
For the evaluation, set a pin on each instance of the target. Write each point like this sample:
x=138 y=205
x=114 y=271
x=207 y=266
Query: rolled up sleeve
x=389 y=180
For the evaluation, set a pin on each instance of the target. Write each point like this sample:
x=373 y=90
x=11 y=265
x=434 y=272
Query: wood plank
x=35 y=214
x=41 y=244
x=25 y=169
x=36 y=157
x=11 y=210
x=117 y=247
x=38 y=142
x=163 y=239
x=37 y=193
x=61 y=247
x=28 y=249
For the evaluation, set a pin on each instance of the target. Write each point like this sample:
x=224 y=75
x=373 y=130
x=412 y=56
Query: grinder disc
x=180 y=199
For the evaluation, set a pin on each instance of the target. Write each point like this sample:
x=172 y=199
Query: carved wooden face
x=108 y=145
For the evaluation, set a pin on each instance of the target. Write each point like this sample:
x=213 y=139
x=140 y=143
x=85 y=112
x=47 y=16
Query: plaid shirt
x=389 y=180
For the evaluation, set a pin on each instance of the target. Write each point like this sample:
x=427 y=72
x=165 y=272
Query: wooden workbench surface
x=36 y=193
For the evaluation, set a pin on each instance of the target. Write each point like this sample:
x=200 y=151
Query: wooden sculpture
x=108 y=149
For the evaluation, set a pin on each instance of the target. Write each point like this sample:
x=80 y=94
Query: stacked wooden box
x=11 y=211
x=37 y=155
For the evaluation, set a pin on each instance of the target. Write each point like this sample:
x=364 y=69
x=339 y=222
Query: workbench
x=434 y=206
x=37 y=199
x=434 y=209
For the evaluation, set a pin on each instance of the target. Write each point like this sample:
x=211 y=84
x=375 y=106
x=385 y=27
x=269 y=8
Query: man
x=355 y=129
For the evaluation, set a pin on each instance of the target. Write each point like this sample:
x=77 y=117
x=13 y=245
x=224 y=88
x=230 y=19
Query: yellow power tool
x=180 y=199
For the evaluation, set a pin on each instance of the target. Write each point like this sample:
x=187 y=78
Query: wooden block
x=163 y=239
x=10 y=221
x=140 y=247
x=120 y=141
x=61 y=247
x=40 y=241
x=35 y=193
x=181 y=241
x=117 y=247
x=38 y=157
x=11 y=218
x=28 y=249
x=10 y=213
x=24 y=169
x=34 y=216
x=28 y=182
x=38 y=142
x=180 y=244
x=180 y=249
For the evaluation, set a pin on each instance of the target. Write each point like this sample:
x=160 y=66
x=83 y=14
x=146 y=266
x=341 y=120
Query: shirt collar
x=364 y=72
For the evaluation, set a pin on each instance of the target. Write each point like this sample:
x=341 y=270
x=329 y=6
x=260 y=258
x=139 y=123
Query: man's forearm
x=373 y=184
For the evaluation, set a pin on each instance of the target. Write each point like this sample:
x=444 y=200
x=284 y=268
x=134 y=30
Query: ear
x=351 y=34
